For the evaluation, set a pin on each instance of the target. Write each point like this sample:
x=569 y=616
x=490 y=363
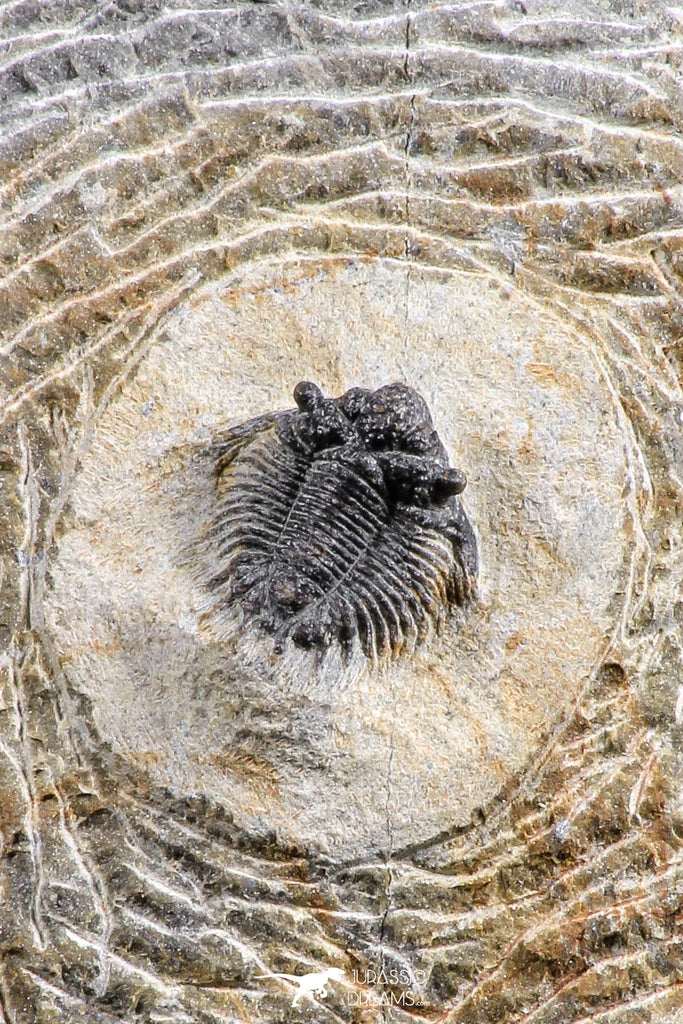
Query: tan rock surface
x=201 y=206
x=357 y=761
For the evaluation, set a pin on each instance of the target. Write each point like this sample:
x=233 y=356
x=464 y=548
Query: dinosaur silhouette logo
x=309 y=984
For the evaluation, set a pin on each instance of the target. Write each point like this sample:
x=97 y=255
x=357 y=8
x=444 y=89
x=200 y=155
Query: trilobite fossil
x=340 y=521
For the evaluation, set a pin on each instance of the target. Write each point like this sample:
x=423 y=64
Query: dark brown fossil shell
x=341 y=520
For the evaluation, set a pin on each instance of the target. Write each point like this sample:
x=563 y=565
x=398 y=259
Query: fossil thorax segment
x=342 y=520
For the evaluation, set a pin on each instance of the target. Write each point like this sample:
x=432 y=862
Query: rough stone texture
x=200 y=206
x=132 y=627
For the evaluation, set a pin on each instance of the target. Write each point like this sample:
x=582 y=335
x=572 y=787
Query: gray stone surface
x=201 y=205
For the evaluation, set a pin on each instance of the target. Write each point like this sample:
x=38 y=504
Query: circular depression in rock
x=378 y=758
